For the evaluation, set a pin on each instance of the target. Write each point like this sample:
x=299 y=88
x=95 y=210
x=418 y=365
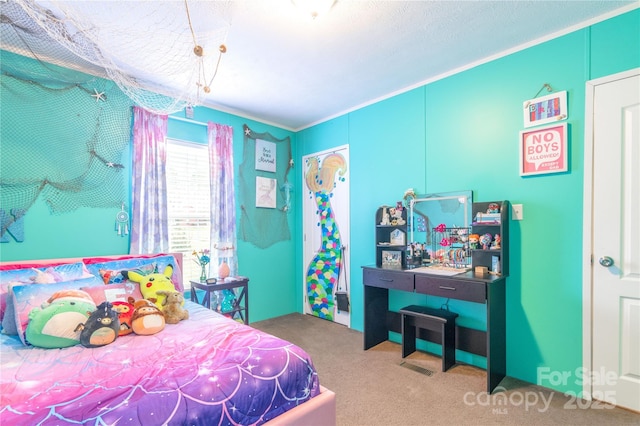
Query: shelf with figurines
x=391 y=236
x=489 y=236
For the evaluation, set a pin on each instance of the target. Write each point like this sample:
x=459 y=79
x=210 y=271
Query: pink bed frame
x=318 y=411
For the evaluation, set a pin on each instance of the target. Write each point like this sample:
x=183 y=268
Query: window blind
x=188 y=202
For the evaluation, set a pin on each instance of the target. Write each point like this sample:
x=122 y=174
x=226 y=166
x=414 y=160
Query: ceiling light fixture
x=314 y=8
x=199 y=52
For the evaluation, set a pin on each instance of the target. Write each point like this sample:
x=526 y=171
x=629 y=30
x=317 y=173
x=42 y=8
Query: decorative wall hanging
x=266 y=192
x=264 y=226
x=544 y=150
x=66 y=167
x=265 y=156
x=122 y=222
x=323 y=270
x=545 y=109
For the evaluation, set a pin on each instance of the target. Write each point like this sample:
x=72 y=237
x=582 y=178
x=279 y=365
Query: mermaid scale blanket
x=208 y=369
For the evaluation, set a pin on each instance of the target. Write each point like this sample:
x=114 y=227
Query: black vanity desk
x=489 y=290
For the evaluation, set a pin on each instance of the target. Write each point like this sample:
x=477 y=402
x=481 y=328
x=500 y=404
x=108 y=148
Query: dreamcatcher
x=122 y=222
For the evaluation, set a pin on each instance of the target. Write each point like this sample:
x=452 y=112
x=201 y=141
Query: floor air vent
x=417 y=368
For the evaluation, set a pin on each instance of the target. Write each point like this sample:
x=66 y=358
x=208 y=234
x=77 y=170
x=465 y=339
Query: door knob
x=606 y=261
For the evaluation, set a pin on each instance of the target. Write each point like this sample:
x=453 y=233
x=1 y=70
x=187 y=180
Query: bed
x=208 y=369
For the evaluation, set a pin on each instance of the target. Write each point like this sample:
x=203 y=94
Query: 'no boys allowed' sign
x=544 y=150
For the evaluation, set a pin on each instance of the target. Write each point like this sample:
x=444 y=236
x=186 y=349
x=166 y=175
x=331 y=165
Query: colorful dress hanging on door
x=324 y=269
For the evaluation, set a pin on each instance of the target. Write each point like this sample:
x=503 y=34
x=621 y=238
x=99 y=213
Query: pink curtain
x=149 y=227
x=223 y=204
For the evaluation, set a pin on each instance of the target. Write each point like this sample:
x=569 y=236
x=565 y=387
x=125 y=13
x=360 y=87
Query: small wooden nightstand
x=240 y=305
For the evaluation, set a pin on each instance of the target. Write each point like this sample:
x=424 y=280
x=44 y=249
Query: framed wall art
x=265 y=155
x=545 y=109
x=265 y=192
x=544 y=150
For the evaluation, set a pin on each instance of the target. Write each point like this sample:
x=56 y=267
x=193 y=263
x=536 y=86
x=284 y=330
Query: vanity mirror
x=439 y=227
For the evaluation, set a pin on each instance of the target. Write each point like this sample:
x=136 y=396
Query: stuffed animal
x=101 y=328
x=151 y=284
x=173 y=311
x=147 y=319
x=54 y=325
x=43 y=277
x=125 y=313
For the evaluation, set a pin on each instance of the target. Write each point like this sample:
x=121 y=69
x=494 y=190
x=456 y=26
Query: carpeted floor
x=372 y=388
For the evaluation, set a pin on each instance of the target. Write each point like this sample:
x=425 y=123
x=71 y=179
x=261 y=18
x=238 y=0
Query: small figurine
x=485 y=240
x=493 y=208
x=396 y=216
x=495 y=245
x=385 y=217
x=392 y=216
x=473 y=241
x=462 y=235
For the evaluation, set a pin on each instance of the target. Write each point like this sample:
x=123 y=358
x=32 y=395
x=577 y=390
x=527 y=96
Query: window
x=188 y=202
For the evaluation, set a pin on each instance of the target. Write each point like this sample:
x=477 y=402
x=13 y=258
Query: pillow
x=58 y=273
x=28 y=264
x=28 y=297
x=142 y=263
x=110 y=276
x=114 y=292
x=9 y=319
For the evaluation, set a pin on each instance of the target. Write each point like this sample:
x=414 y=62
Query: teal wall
x=461 y=133
x=271 y=270
x=457 y=133
x=90 y=231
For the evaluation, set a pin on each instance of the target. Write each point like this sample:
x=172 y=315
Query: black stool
x=439 y=320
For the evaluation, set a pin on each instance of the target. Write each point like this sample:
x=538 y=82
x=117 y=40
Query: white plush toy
x=43 y=277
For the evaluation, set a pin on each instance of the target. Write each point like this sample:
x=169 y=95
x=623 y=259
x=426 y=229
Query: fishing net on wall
x=62 y=139
x=260 y=223
x=115 y=46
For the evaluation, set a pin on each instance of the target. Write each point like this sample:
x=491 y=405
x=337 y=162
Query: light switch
x=516 y=212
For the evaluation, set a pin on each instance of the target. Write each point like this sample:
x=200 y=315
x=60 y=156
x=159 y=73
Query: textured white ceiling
x=286 y=69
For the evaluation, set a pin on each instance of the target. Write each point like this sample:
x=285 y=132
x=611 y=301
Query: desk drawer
x=455 y=289
x=388 y=279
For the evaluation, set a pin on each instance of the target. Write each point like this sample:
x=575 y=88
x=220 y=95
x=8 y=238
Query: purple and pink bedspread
x=207 y=370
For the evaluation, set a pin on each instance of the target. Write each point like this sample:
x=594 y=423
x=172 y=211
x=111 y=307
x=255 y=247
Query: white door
x=612 y=236
x=325 y=216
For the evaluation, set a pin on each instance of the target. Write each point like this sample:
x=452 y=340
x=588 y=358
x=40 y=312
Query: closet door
x=326 y=266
